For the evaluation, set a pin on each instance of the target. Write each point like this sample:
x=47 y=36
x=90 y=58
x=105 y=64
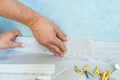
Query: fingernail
x=67 y=38
x=22 y=45
x=62 y=55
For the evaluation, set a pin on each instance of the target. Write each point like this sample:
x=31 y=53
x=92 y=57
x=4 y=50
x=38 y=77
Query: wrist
x=33 y=20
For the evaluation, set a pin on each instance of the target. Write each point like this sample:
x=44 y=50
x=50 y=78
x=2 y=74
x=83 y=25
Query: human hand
x=43 y=29
x=49 y=35
x=7 y=39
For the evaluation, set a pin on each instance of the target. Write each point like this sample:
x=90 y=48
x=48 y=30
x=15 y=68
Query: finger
x=55 y=50
x=60 y=34
x=16 y=32
x=60 y=45
x=16 y=44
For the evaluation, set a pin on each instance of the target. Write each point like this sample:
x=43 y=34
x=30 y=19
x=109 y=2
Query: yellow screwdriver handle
x=97 y=70
x=86 y=67
x=103 y=76
x=108 y=74
x=76 y=69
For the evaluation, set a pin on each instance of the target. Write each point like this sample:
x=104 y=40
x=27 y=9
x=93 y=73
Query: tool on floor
x=97 y=71
x=85 y=69
x=76 y=69
x=108 y=74
x=103 y=75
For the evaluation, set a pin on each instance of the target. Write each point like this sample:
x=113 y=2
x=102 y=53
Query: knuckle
x=17 y=32
x=61 y=45
x=14 y=30
x=45 y=42
x=51 y=39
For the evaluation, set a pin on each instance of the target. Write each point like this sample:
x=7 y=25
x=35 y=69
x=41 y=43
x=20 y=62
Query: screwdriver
x=85 y=69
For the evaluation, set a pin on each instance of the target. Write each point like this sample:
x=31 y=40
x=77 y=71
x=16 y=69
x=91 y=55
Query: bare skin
x=7 y=40
x=44 y=30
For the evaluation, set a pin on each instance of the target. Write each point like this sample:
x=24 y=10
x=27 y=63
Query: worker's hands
x=44 y=30
x=48 y=34
x=7 y=39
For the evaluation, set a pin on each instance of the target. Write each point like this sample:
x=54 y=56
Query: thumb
x=17 y=44
x=60 y=34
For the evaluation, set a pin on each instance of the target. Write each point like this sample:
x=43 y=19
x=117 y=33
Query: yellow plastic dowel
x=76 y=69
x=86 y=67
x=97 y=70
x=103 y=76
x=108 y=75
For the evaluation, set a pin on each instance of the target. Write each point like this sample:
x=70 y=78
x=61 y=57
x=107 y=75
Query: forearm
x=45 y=31
x=13 y=9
